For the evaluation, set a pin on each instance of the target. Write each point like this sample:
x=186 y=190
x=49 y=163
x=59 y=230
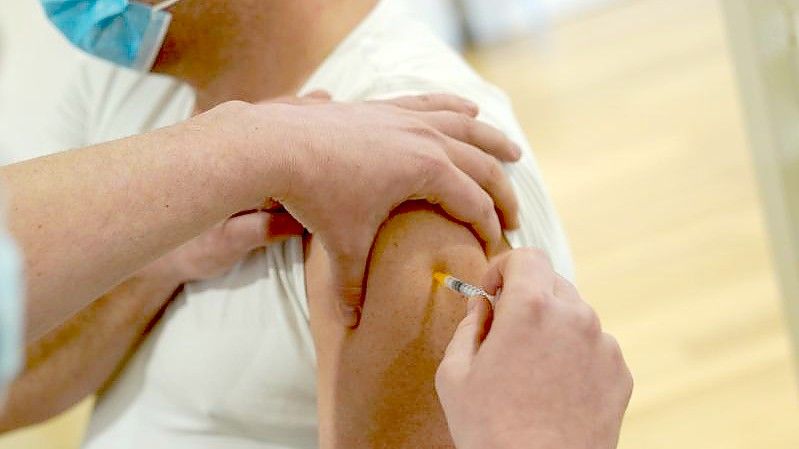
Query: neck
x=267 y=53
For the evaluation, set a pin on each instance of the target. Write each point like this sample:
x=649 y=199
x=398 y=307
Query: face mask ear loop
x=164 y=5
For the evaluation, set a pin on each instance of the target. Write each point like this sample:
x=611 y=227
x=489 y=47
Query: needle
x=458 y=286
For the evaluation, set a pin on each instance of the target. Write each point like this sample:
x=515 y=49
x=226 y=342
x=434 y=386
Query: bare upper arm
x=376 y=384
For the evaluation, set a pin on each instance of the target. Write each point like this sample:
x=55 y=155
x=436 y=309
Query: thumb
x=348 y=277
x=469 y=335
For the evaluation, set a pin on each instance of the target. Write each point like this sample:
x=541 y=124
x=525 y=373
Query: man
x=232 y=363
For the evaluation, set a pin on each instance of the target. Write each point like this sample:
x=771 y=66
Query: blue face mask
x=127 y=33
x=11 y=311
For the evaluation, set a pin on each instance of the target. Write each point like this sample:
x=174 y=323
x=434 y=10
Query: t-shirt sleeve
x=67 y=124
x=540 y=224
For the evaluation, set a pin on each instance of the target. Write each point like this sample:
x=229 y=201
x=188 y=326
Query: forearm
x=78 y=358
x=86 y=219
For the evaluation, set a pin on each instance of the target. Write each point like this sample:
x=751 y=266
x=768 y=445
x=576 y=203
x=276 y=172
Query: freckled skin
x=376 y=383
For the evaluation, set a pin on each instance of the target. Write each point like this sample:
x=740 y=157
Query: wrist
x=164 y=273
x=246 y=152
x=278 y=150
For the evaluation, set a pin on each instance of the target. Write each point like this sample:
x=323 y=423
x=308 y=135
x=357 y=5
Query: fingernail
x=471 y=305
x=350 y=315
x=473 y=108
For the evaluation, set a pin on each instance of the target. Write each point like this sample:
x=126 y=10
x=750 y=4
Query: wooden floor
x=634 y=116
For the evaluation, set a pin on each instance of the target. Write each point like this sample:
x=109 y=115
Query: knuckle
x=492 y=177
x=588 y=321
x=614 y=346
x=538 y=303
x=626 y=380
x=614 y=349
x=469 y=128
x=422 y=130
x=495 y=170
x=433 y=164
x=487 y=206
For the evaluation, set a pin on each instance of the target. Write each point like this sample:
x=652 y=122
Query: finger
x=462 y=198
x=435 y=102
x=524 y=273
x=474 y=132
x=488 y=172
x=348 y=269
x=468 y=336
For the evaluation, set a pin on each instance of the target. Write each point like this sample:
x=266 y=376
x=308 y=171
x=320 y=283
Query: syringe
x=458 y=286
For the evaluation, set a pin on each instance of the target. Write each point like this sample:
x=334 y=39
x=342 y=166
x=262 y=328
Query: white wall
x=34 y=64
x=559 y=9
x=494 y=20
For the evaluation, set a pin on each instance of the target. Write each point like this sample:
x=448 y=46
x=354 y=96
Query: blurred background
x=672 y=172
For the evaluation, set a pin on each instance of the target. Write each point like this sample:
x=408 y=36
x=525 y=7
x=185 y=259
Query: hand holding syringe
x=535 y=372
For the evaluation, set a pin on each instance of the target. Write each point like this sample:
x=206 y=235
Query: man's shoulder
x=431 y=66
x=394 y=55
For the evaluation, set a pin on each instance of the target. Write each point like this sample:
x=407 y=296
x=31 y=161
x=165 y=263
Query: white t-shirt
x=231 y=364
